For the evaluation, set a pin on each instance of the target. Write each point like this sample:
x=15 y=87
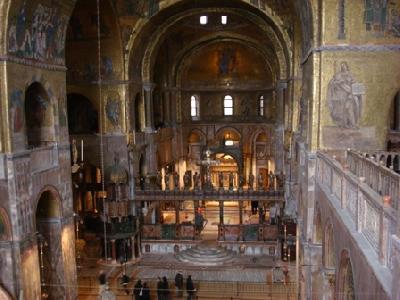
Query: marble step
x=206 y=254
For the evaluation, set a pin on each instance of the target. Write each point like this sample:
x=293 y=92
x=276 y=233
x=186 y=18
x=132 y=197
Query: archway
x=39 y=116
x=329 y=263
x=345 y=287
x=50 y=256
x=82 y=116
x=317 y=227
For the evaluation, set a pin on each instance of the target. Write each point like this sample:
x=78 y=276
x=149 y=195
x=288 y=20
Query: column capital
x=148 y=86
x=281 y=84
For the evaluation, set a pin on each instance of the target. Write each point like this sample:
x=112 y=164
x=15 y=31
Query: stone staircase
x=206 y=253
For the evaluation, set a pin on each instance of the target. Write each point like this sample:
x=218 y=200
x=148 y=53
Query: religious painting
x=227 y=61
x=17 y=110
x=113 y=109
x=382 y=17
x=38 y=33
x=345 y=97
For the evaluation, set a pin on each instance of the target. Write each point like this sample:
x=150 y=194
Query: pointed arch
x=345 y=287
x=328 y=247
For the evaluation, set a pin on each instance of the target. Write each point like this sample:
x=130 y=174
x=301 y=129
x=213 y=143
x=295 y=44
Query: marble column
x=221 y=212
x=167 y=107
x=177 y=210
x=151 y=161
x=148 y=88
x=133 y=247
x=280 y=129
x=113 y=251
x=240 y=212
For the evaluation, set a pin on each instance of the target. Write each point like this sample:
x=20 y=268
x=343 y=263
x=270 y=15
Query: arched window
x=39 y=116
x=228 y=105
x=195 y=107
x=261 y=106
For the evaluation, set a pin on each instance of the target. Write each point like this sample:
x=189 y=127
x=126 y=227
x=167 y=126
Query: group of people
x=141 y=290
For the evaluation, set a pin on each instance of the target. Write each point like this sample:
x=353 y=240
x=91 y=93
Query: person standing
x=165 y=286
x=179 y=284
x=137 y=290
x=160 y=295
x=145 y=292
x=191 y=291
x=102 y=282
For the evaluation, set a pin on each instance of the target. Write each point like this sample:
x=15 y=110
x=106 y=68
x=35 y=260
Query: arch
x=263 y=19
x=395 y=118
x=197 y=136
x=48 y=203
x=5 y=226
x=39 y=116
x=396 y=164
x=83 y=118
x=389 y=161
x=228 y=132
x=345 y=287
x=317 y=232
x=328 y=250
x=49 y=235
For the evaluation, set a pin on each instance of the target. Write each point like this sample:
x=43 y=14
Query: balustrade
x=373 y=167
x=372 y=214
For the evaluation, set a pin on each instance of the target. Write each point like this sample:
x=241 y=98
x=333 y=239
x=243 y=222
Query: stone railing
x=371 y=213
x=381 y=179
x=158 y=195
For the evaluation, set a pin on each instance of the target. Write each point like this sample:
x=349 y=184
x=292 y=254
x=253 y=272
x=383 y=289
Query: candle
x=82 y=150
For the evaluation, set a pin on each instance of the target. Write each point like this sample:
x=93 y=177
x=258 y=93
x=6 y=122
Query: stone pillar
x=113 y=251
x=328 y=287
x=397 y=112
x=167 y=107
x=221 y=212
x=151 y=161
x=177 y=209
x=133 y=247
x=240 y=212
x=173 y=105
x=148 y=88
x=280 y=130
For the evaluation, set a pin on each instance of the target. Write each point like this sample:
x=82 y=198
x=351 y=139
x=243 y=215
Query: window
x=195 y=107
x=224 y=20
x=261 y=106
x=228 y=105
x=203 y=20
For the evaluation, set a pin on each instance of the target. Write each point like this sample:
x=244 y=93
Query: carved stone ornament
x=345 y=98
